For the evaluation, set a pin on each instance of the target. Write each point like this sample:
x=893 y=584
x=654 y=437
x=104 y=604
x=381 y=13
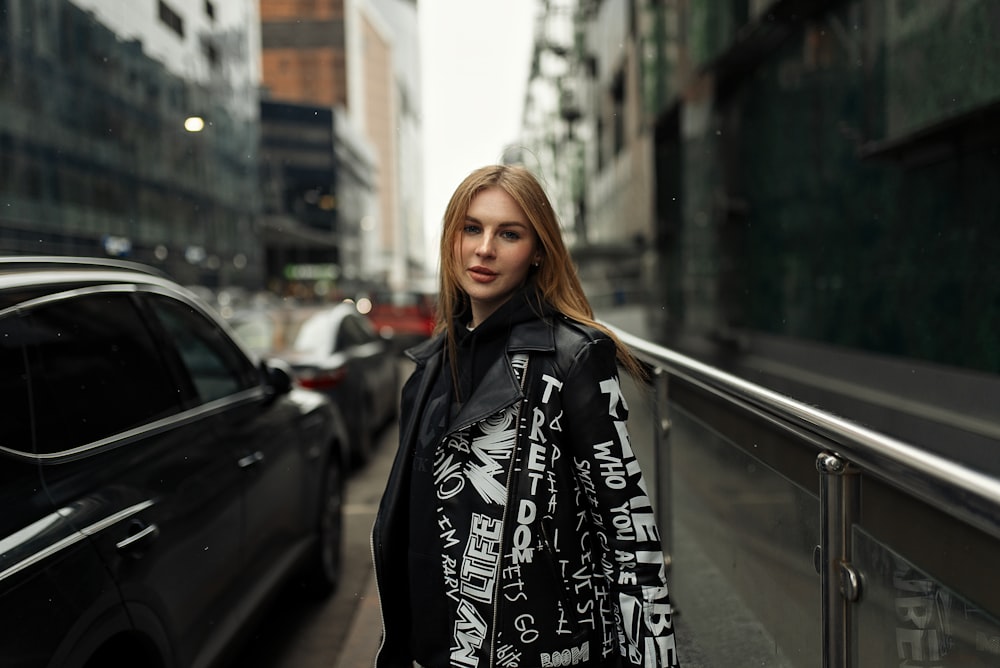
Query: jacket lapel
x=499 y=387
x=497 y=390
x=429 y=355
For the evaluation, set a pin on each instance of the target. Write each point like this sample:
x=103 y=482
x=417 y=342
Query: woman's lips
x=482 y=274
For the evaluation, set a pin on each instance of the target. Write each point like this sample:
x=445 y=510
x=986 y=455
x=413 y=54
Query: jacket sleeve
x=630 y=552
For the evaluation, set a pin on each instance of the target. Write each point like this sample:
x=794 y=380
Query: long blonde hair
x=555 y=279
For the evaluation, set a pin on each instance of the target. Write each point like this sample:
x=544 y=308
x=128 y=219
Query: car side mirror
x=277 y=376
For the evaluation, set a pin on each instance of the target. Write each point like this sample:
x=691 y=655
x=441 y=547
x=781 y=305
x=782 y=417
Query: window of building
x=599 y=143
x=171 y=18
x=618 y=112
x=211 y=52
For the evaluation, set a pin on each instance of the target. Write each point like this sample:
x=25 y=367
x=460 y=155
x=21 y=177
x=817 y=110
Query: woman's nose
x=485 y=246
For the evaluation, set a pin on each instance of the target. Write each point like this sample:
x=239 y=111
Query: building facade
x=132 y=132
x=806 y=187
x=304 y=55
x=391 y=114
x=358 y=57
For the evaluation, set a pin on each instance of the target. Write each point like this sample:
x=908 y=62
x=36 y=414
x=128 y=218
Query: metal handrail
x=963 y=493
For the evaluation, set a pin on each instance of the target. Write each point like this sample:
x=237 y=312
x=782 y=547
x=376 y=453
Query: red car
x=406 y=317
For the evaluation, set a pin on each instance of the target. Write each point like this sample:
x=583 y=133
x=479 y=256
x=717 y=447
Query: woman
x=515 y=529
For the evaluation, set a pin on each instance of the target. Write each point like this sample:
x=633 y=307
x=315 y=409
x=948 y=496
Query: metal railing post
x=841 y=585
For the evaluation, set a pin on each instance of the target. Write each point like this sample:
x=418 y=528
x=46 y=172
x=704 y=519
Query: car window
x=217 y=366
x=89 y=367
x=257 y=332
x=315 y=336
x=15 y=427
x=354 y=331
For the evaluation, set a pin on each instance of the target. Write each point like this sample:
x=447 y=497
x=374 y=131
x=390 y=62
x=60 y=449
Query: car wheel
x=322 y=575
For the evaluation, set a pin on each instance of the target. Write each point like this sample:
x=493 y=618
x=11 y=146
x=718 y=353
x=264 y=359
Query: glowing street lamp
x=194 y=123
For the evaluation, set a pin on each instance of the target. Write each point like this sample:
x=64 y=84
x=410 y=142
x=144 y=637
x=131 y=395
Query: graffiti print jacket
x=550 y=551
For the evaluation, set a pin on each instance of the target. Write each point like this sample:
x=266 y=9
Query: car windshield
x=317 y=335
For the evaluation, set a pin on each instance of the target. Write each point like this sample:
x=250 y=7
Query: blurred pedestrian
x=515 y=528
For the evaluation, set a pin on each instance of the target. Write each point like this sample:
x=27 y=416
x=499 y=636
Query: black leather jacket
x=552 y=555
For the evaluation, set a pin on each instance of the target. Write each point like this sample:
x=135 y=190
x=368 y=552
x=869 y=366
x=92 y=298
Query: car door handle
x=140 y=539
x=252 y=459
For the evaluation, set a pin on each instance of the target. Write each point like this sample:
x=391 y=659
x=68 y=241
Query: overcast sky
x=475 y=56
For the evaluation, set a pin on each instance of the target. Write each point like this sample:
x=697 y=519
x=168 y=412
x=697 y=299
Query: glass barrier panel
x=743 y=576
x=906 y=618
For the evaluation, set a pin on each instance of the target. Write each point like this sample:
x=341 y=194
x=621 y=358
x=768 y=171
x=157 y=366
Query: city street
x=222 y=222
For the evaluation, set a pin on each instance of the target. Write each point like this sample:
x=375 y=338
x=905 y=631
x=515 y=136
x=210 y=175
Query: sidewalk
x=364 y=492
x=362 y=640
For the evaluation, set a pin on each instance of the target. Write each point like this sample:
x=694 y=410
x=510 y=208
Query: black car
x=336 y=351
x=158 y=484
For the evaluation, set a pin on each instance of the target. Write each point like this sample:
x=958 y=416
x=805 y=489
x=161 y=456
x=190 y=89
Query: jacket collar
x=424 y=350
x=499 y=387
x=532 y=336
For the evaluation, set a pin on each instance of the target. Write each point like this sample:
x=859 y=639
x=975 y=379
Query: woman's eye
x=510 y=235
x=471 y=229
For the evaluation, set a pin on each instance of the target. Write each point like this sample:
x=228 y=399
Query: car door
x=274 y=464
x=51 y=577
x=125 y=463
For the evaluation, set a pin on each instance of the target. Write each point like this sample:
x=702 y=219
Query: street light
x=194 y=123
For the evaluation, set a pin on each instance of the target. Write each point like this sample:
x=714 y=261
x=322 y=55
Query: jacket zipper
x=506 y=513
x=378 y=597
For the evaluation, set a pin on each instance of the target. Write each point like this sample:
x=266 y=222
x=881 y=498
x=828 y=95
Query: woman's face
x=494 y=250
